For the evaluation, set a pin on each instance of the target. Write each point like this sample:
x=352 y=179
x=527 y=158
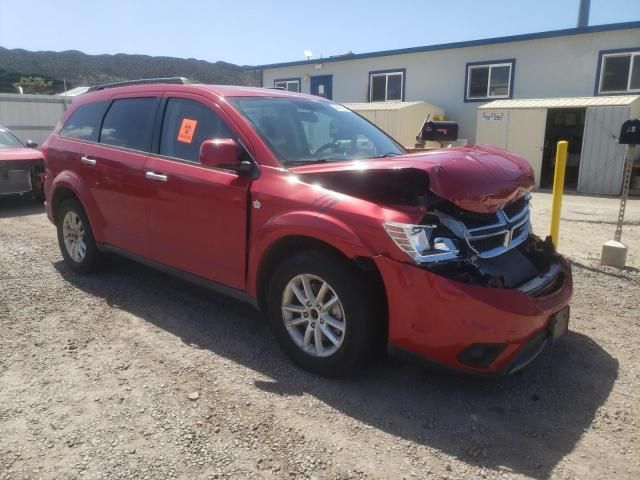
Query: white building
x=31 y=117
x=601 y=60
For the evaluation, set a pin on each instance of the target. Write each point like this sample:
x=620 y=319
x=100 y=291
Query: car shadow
x=525 y=423
x=18 y=206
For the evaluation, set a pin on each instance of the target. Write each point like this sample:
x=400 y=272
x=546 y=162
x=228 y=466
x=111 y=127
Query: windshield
x=9 y=140
x=306 y=131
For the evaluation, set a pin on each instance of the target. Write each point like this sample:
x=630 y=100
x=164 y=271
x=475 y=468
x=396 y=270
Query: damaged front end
x=471 y=211
x=487 y=249
x=21 y=176
x=468 y=285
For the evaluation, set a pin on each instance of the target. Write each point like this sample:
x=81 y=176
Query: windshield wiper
x=336 y=159
x=310 y=161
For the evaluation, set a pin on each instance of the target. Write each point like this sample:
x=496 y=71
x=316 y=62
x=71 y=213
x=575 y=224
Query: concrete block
x=614 y=254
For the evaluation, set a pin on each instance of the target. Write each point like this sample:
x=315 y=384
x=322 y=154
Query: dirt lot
x=99 y=378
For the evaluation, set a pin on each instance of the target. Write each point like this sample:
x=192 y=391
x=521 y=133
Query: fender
x=75 y=183
x=303 y=223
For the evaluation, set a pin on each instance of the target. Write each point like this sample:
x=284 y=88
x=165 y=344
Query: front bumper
x=438 y=319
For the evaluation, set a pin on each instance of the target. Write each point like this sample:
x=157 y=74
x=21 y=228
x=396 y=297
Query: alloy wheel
x=313 y=315
x=73 y=232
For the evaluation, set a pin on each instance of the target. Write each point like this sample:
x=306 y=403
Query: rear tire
x=76 y=240
x=323 y=313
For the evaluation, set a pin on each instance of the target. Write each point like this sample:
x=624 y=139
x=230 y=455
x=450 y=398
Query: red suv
x=305 y=209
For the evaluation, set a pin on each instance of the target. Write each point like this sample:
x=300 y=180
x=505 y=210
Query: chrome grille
x=507 y=230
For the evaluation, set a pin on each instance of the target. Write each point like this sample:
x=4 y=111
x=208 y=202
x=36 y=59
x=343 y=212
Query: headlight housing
x=419 y=243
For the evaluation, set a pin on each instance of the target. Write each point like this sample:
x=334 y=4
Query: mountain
x=81 y=69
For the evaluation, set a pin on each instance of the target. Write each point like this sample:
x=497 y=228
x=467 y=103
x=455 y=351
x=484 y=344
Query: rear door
x=73 y=147
x=197 y=215
x=121 y=190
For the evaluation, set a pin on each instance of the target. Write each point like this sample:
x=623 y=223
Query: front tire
x=323 y=313
x=76 y=240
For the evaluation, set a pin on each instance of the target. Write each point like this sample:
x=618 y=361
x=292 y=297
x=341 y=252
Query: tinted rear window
x=129 y=123
x=84 y=122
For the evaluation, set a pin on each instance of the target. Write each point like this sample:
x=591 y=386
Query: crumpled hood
x=20 y=154
x=479 y=178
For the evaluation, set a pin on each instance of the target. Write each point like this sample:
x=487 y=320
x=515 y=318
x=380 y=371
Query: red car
x=21 y=166
x=314 y=215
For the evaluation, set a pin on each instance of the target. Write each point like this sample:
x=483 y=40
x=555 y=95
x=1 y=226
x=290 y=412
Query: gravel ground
x=133 y=374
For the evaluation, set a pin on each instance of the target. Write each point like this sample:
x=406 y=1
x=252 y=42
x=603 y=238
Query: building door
x=602 y=162
x=322 y=86
x=520 y=131
x=525 y=136
x=492 y=127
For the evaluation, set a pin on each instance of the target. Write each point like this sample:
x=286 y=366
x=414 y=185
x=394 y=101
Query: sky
x=253 y=32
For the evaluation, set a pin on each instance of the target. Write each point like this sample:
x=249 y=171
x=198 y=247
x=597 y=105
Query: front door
x=196 y=214
x=322 y=86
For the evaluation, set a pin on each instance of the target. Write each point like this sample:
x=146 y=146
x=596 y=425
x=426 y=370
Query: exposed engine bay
x=493 y=250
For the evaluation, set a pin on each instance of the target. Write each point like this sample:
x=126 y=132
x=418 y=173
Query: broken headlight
x=420 y=243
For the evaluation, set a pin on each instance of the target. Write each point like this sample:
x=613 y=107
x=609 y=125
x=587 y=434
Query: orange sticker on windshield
x=187 y=129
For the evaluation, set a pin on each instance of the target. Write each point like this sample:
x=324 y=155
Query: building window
x=619 y=72
x=288 y=84
x=385 y=86
x=489 y=80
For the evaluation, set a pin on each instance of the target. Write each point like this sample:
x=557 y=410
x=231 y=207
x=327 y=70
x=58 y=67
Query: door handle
x=87 y=160
x=155 y=176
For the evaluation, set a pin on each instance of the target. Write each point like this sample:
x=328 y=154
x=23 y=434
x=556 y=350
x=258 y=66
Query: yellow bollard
x=558 y=189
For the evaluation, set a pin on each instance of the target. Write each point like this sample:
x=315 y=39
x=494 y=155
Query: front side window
x=301 y=131
x=186 y=125
x=129 y=123
x=83 y=124
x=489 y=81
x=9 y=140
x=620 y=73
x=290 y=85
x=386 y=86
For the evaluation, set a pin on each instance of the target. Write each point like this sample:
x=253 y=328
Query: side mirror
x=31 y=144
x=223 y=153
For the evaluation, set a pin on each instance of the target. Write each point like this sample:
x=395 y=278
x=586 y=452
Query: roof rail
x=142 y=81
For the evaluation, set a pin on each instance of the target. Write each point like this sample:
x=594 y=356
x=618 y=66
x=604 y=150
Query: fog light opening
x=481 y=355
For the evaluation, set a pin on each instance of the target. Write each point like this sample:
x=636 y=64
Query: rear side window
x=186 y=125
x=129 y=123
x=83 y=124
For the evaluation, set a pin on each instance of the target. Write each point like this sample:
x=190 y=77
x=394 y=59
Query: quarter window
x=491 y=80
x=83 y=124
x=129 y=123
x=620 y=73
x=290 y=85
x=386 y=86
x=186 y=125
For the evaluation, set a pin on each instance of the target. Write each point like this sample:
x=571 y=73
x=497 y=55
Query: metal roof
x=385 y=105
x=74 y=92
x=570 y=102
x=446 y=46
